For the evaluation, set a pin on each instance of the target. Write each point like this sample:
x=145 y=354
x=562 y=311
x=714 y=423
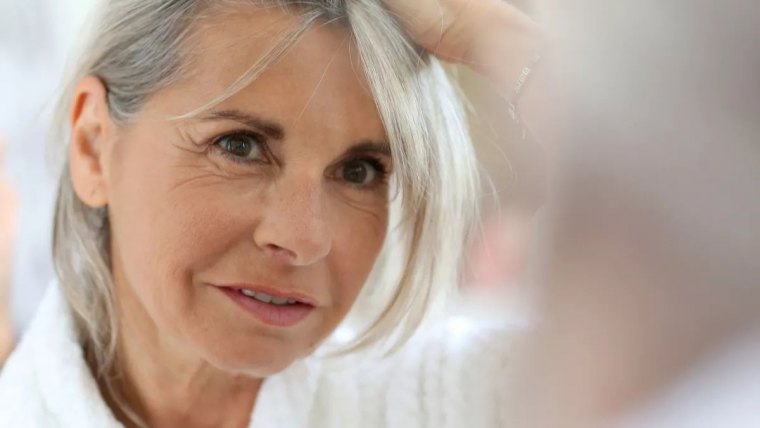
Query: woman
x=235 y=171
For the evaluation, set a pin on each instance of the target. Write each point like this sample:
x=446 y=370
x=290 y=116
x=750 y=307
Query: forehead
x=318 y=81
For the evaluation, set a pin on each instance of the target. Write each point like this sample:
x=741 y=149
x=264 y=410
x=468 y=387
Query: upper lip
x=274 y=292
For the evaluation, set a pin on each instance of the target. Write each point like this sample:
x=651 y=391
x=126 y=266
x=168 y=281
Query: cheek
x=168 y=221
x=357 y=241
x=189 y=229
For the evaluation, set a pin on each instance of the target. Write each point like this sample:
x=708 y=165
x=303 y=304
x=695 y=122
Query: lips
x=269 y=295
x=268 y=298
x=271 y=307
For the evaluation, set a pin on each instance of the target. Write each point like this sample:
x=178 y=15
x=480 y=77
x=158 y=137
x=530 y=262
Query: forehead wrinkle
x=321 y=79
x=227 y=59
x=207 y=26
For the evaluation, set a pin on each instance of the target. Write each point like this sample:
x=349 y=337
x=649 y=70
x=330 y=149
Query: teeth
x=266 y=298
x=280 y=300
x=261 y=297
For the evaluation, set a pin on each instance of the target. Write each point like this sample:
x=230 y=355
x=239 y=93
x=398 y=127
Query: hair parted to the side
x=141 y=46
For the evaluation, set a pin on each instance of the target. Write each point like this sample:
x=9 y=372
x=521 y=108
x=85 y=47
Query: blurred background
x=35 y=40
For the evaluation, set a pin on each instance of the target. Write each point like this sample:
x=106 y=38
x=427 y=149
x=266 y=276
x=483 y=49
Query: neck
x=167 y=384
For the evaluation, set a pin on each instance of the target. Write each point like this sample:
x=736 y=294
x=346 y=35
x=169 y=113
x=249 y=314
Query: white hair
x=140 y=46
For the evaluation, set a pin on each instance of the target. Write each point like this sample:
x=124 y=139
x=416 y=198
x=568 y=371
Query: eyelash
x=257 y=138
x=374 y=162
x=380 y=169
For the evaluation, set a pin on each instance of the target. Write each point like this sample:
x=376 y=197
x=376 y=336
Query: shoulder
x=20 y=390
x=452 y=374
x=462 y=369
x=46 y=381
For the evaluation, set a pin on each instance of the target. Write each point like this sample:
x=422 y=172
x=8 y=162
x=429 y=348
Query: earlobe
x=91 y=140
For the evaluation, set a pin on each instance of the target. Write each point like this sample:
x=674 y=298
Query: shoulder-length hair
x=141 y=46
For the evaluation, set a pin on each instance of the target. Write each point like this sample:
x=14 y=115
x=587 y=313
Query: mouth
x=271 y=307
x=275 y=299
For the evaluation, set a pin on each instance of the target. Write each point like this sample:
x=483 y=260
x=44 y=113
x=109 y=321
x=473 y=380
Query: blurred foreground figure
x=650 y=314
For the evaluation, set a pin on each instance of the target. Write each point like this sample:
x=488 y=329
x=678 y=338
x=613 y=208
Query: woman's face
x=280 y=191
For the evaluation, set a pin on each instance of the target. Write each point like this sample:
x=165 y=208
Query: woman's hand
x=498 y=41
x=8 y=206
x=491 y=36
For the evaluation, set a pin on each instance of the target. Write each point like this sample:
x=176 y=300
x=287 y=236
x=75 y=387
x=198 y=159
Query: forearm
x=492 y=37
x=504 y=43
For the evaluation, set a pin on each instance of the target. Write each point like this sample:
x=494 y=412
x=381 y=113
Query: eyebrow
x=370 y=146
x=276 y=131
x=272 y=129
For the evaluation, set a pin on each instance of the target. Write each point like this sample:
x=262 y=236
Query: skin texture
x=184 y=216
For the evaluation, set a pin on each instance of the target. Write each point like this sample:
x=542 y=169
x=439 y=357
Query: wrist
x=504 y=42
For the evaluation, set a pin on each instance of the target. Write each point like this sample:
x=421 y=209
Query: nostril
x=280 y=252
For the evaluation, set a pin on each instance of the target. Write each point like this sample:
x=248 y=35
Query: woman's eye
x=361 y=172
x=244 y=147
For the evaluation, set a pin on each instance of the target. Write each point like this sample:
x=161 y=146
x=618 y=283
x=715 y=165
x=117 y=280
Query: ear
x=91 y=141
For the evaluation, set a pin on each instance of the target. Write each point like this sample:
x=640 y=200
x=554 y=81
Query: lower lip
x=275 y=315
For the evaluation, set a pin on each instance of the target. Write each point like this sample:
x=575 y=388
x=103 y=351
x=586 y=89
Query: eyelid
x=260 y=139
x=375 y=160
x=246 y=132
x=382 y=171
x=373 y=157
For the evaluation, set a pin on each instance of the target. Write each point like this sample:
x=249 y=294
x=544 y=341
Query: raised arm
x=492 y=37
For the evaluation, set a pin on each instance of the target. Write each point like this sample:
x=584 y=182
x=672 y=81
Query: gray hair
x=139 y=47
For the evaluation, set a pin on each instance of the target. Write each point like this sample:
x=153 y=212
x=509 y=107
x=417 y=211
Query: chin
x=259 y=359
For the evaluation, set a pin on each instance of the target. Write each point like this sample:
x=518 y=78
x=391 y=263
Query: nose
x=293 y=229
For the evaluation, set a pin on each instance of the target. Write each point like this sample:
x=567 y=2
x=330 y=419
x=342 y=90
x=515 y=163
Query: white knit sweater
x=452 y=376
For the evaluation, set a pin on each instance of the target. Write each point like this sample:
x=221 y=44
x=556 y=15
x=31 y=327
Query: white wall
x=36 y=37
